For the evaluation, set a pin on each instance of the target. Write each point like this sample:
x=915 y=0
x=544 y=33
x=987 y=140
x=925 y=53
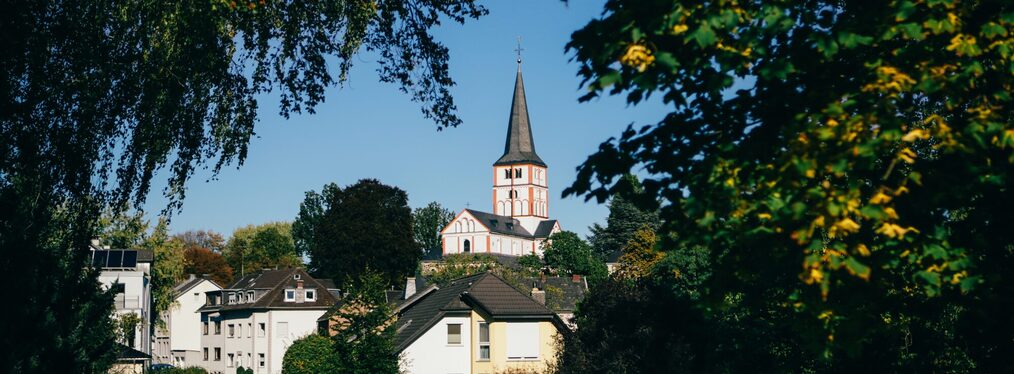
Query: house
x=252 y=322
x=519 y=223
x=129 y=361
x=179 y=342
x=128 y=273
x=476 y=324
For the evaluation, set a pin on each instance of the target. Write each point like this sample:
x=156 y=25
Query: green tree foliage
x=100 y=97
x=367 y=224
x=568 y=254
x=265 y=246
x=310 y=354
x=531 y=263
x=427 y=223
x=168 y=269
x=364 y=334
x=211 y=240
x=624 y=219
x=814 y=151
x=126 y=328
x=640 y=255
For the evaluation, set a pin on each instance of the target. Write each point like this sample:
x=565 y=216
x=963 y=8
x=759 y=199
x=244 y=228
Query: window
x=205 y=353
x=454 y=333
x=523 y=341
x=218 y=354
x=260 y=360
x=218 y=327
x=468 y=246
x=262 y=327
x=232 y=360
x=290 y=295
x=232 y=330
x=232 y=298
x=250 y=296
x=311 y=295
x=518 y=173
x=205 y=327
x=296 y=276
x=249 y=330
x=483 y=341
x=118 y=288
x=282 y=329
x=507 y=173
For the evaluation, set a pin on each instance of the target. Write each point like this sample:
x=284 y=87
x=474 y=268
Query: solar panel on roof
x=129 y=259
x=99 y=259
x=115 y=259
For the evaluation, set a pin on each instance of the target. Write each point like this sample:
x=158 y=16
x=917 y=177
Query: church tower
x=520 y=188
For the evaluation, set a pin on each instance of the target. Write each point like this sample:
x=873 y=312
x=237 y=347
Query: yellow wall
x=498 y=348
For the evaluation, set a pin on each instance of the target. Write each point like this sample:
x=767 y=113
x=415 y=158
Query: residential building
x=252 y=322
x=477 y=324
x=128 y=273
x=179 y=342
x=520 y=220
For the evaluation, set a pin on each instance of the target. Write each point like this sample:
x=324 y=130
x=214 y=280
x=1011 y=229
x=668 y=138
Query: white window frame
x=290 y=291
x=263 y=330
x=232 y=330
x=449 y=342
x=232 y=360
x=489 y=353
x=310 y=295
x=260 y=360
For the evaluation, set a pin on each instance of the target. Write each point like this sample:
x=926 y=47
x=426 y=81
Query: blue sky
x=367 y=129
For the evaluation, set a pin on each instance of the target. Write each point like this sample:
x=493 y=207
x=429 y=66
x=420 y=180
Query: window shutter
x=523 y=341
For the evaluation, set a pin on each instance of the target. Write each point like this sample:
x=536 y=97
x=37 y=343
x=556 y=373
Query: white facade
x=256 y=340
x=468 y=234
x=135 y=298
x=179 y=343
x=432 y=353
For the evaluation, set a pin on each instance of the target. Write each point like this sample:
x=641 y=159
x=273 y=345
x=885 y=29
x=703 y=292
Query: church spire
x=520 y=147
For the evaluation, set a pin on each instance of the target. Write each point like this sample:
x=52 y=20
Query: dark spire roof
x=520 y=147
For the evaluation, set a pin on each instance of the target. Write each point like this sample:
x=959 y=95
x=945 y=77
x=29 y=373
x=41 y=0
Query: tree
x=812 y=152
x=310 y=354
x=202 y=261
x=567 y=253
x=427 y=223
x=266 y=246
x=364 y=334
x=625 y=218
x=97 y=100
x=367 y=224
x=639 y=255
x=208 y=239
x=126 y=328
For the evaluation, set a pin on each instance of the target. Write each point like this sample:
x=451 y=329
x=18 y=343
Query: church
x=520 y=220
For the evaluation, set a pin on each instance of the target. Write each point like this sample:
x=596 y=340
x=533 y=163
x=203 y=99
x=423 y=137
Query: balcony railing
x=124 y=302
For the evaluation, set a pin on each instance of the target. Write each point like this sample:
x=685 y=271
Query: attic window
x=494 y=222
x=311 y=295
x=510 y=226
x=290 y=295
x=296 y=276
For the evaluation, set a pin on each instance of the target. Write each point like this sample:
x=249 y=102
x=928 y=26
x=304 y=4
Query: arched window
x=524 y=207
x=468 y=246
x=500 y=208
x=457 y=226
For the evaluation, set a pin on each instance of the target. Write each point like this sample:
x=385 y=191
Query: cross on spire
x=518 y=50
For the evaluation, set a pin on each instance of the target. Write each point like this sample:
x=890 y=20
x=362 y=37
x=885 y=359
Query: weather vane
x=518 y=50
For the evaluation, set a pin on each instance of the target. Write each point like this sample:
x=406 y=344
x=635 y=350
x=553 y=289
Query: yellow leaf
x=679 y=29
x=914 y=135
x=880 y=198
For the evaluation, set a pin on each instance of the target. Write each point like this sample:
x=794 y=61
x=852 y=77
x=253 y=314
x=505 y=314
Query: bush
x=309 y=355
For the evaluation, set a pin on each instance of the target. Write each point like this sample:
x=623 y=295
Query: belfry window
x=517 y=173
x=507 y=173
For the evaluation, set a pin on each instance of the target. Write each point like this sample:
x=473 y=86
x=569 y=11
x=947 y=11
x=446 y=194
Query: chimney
x=409 y=287
x=576 y=278
x=539 y=295
x=299 y=284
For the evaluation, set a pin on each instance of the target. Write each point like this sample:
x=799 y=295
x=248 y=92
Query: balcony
x=123 y=302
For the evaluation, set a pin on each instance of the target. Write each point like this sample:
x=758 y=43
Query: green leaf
x=851 y=40
x=857 y=268
x=704 y=36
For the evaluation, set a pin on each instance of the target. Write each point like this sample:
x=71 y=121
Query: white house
x=252 y=322
x=179 y=343
x=128 y=273
x=477 y=324
x=520 y=220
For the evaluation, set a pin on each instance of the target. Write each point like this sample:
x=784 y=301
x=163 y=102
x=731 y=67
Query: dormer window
x=290 y=295
x=510 y=226
x=250 y=296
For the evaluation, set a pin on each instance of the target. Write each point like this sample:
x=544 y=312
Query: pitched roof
x=485 y=291
x=509 y=225
x=275 y=282
x=520 y=146
x=186 y=285
x=572 y=292
x=126 y=353
x=545 y=228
